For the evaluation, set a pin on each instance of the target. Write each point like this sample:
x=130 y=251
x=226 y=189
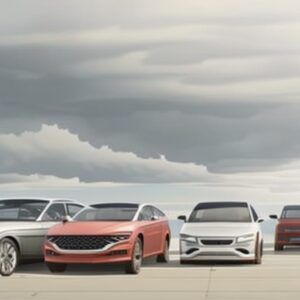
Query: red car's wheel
x=56 y=267
x=134 y=266
x=278 y=247
x=165 y=256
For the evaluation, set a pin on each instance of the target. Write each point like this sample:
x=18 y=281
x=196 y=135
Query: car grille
x=83 y=242
x=216 y=242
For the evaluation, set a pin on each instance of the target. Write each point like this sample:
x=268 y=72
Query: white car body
x=221 y=240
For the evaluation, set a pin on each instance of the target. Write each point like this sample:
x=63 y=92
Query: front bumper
x=196 y=251
x=121 y=252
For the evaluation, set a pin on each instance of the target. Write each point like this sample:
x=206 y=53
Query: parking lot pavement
x=276 y=278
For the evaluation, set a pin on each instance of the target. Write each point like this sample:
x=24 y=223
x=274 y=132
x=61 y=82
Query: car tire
x=278 y=247
x=9 y=256
x=134 y=265
x=56 y=267
x=258 y=252
x=165 y=256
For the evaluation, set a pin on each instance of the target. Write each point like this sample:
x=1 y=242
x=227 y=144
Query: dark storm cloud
x=208 y=83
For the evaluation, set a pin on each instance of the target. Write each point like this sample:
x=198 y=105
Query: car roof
x=52 y=200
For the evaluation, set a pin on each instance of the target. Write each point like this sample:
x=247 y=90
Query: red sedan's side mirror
x=66 y=219
x=275 y=217
x=154 y=218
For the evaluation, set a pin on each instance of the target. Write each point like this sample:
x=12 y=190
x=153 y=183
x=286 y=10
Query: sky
x=168 y=102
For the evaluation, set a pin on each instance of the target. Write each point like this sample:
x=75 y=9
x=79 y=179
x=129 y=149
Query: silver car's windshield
x=221 y=212
x=21 y=210
x=108 y=212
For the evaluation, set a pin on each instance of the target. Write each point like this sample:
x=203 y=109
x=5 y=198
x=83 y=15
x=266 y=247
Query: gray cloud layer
x=199 y=81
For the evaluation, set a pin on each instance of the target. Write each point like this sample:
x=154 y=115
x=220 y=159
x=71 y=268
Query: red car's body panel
x=153 y=233
x=287 y=232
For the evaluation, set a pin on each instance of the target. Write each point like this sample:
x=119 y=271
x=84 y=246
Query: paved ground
x=277 y=278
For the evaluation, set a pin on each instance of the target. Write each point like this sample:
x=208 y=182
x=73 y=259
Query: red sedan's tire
x=165 y=256
x=134 y=265
x=278 y=247
x=56 y=267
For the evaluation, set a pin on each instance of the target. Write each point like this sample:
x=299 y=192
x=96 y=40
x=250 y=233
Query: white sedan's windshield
x=220 y=212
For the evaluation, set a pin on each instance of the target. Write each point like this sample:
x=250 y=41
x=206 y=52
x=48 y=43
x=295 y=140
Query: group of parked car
x=63 y=232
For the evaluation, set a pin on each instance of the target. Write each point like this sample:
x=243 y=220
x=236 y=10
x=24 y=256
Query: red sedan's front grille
x=84 y=242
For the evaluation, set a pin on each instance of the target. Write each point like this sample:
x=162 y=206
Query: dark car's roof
x=291 y=207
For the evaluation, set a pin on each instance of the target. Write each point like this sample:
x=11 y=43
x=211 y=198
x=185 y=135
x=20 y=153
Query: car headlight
x=245 y=238
x=188 y=238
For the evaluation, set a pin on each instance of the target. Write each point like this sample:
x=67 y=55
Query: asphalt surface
x=277 y=278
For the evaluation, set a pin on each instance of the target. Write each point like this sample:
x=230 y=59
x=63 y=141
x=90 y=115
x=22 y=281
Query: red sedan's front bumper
x=116 y=254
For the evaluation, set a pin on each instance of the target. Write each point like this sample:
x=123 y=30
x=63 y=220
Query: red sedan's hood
x=92 y=228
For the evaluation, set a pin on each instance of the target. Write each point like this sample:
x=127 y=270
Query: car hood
x=91 y=228
x=218 y=229
x=16 y=225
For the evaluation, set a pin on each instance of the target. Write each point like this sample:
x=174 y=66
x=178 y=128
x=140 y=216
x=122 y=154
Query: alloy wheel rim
x=8 y=257
x=137 y=257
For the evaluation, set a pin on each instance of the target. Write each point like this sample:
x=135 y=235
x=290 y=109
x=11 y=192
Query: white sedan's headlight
x=188 y=238
x=245 y=238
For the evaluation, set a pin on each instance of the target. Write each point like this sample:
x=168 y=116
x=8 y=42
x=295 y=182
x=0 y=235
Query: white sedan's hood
x=219 y=229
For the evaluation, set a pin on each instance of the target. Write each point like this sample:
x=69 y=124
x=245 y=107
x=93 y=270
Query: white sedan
x=221 y=231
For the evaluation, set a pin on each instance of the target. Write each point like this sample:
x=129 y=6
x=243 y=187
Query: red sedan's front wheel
x=134 y=266
x=164 y=257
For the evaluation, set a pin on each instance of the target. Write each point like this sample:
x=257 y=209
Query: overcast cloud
x=149 y=91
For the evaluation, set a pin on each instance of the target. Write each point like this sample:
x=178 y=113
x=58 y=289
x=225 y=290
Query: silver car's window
x=107 y=212
x=73 y=209
x=55 y=212
x=221 y=212
x=21 y=210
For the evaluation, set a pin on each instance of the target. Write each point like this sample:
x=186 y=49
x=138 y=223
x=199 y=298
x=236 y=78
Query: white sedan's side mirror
x=260 y=220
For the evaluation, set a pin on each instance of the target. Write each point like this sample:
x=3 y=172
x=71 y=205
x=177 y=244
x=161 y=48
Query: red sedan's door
x=152 y=228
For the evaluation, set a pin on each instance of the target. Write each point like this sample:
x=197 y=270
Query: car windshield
x=21 y=210
x=292 y=212
x=106 y=212
x=221 y=212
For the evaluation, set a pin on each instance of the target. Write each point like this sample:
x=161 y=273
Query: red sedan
x=288 y=227
x=109 y=233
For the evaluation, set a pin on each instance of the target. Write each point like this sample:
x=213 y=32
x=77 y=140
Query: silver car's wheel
x=8 y=256
x=134 y=266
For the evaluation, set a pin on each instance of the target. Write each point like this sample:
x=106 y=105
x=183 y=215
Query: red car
x=288 y=227
x=109 y=233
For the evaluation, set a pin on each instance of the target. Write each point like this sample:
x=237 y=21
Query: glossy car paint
x=153 y=234
x=195 y=250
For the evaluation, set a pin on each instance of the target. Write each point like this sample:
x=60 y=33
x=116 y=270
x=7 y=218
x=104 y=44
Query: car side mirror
x=154 y=218
x=275 y=217
x=260 y=220
x=66 y=219
x=182 y=218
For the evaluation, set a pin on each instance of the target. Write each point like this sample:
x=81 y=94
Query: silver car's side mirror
x=182 y=218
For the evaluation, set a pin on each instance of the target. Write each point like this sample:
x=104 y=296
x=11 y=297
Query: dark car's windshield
x=291 y=212
x=21 y=210
x=108 y=212
x=221 y=212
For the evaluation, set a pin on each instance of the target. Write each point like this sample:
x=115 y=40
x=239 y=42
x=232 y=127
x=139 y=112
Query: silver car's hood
x=15 y=225
x=219 y=229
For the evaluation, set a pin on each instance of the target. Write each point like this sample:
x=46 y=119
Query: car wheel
x=165 y=256
x=278 y=247
x=56 y=267
x=9 y=255
x=258 y=253
x=134 y=266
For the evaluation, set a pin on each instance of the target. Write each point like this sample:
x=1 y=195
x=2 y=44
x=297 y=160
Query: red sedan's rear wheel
x=164 y=257
x=134 y=266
